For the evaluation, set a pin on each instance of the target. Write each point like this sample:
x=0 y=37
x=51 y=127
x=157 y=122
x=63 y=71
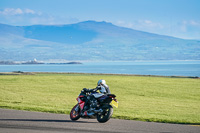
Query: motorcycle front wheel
x=75 y=113
x=105 y=116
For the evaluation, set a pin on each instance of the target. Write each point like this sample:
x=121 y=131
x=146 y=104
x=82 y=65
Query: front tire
x=105 y=116
x=75 y=113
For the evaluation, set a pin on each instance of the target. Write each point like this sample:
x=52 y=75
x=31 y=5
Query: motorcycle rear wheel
x=105 y=116
x=75 y=115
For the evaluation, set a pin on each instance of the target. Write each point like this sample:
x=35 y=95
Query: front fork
x=77 y=108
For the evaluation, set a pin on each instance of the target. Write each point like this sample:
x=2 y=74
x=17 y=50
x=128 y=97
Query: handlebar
x=91 y=90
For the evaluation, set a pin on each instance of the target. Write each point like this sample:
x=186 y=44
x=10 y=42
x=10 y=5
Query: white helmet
x=101 y=82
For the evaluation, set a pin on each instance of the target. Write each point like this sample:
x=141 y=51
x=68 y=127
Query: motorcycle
x=92 y=104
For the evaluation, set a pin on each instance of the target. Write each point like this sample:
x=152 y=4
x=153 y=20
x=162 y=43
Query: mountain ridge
x=91 y=40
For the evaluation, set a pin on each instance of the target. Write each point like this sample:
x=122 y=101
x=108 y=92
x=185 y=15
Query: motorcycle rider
x=103 y=89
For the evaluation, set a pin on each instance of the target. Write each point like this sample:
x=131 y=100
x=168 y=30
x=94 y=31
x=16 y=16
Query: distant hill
x=91 y=40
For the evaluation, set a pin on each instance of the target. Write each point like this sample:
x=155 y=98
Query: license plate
x=114 y=103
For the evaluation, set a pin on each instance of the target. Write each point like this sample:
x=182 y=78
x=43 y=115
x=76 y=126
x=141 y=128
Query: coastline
x=158 y=68
x=137 y=75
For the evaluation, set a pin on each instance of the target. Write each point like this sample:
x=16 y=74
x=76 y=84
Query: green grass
x=158 y=99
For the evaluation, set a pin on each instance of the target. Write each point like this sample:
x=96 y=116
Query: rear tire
x=105 y=116
x=75 y=115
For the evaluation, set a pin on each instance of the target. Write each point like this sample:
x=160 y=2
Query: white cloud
x=191 y=22
x=11 y=11
x=29 y=11
x=145 y=25
x=187 y=29
x=188 y=25
x=194 y=23
x=17 y=11
x=18 y=16
x=124 y=24
x=148 y=22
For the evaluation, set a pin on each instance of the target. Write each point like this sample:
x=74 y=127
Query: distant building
x=33 y=62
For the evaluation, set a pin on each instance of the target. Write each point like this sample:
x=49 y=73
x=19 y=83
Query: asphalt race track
x=15 y=121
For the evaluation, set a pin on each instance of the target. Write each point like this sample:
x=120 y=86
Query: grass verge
x=157 y=99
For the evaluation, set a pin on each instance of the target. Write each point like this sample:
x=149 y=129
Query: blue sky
x=178 y=18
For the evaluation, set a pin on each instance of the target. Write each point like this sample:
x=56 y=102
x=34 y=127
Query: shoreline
x=87 y=61
x=33 y=73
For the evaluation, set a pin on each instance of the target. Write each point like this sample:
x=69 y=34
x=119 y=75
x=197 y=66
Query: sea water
x=163 y=68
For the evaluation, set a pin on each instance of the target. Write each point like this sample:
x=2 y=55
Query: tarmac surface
x=16 y=121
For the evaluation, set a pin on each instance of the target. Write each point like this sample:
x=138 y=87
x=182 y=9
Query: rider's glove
x=85 y=90
x=92 y=90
